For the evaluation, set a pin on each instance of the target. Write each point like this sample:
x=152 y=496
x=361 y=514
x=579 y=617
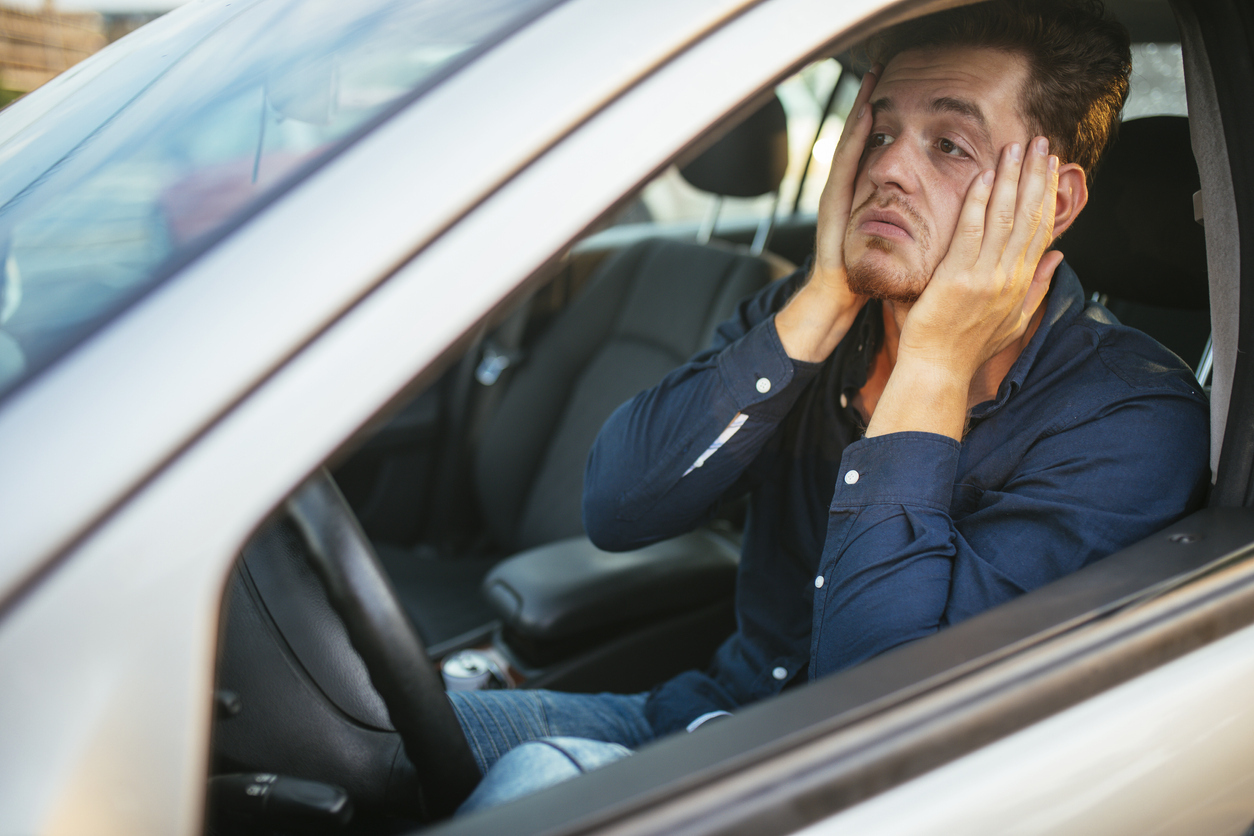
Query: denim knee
x=537 y=764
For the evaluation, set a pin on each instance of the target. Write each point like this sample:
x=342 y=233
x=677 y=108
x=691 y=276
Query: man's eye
x=878 y=140
x=948 y=146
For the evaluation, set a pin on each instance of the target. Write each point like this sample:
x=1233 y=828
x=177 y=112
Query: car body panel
x=1144 y=757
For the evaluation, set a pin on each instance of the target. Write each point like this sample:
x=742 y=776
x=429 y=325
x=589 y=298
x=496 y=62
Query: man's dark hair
x=1078 y=58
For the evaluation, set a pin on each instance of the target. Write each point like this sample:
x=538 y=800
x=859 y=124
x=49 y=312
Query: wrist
x=817 y=318
x=922 y=396
x=954 y=371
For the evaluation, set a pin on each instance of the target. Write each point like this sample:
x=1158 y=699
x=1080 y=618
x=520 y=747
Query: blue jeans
x=567 y=734
x=537 y=764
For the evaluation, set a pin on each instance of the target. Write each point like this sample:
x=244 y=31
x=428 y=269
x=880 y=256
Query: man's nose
x=895 y=165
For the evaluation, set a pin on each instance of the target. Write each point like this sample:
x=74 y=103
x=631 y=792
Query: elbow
x=602 y=532
x=603 y=527
x=603 y=521
x=600 y=519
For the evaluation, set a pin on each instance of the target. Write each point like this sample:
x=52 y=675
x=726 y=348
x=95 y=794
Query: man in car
x=929 y=421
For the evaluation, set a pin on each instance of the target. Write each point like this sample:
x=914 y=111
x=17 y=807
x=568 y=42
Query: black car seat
x=1137 y=246
x=644 y=311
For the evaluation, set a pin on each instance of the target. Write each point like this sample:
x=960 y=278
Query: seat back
x=646 y=310
x=1137 y=242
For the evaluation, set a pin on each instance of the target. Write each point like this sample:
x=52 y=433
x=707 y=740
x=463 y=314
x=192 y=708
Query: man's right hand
x=815 y=320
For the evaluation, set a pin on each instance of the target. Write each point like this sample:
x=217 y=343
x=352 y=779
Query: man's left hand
x=981 y=298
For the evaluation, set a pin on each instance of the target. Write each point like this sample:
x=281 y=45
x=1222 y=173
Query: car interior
x=444 y=548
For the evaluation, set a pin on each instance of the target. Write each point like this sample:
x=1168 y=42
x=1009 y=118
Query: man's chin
x=879 y=282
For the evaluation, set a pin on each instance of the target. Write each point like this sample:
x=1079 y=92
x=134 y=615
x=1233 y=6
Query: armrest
x=570 y=588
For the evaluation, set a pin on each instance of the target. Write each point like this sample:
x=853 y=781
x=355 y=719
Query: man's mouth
x=885 y=223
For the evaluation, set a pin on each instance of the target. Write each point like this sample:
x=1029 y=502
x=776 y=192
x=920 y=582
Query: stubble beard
x=877 y=281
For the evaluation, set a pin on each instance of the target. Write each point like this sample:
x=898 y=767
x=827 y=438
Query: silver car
x=257 y=239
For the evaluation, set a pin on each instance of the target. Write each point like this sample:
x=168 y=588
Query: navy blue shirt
x=1098 y=437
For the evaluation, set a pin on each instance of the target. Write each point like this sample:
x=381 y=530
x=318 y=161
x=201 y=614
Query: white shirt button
x=818 y=582
x=764 y=385
x=851 y=477
x=844 y=400
x=780 y=673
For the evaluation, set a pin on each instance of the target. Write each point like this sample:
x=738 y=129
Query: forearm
x=889 y=551
x=817 y=318
x=914 y=543
x=922 y=397
x=664 y=460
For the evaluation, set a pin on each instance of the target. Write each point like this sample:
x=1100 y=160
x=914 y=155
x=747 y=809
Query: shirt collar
x=1065 y=298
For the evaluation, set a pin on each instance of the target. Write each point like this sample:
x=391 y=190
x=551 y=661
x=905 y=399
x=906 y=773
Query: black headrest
x=749 y=161
x=1137 y=239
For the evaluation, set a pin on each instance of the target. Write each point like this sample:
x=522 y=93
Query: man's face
x=941 y=116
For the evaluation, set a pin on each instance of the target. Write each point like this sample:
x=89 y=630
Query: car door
x=120 y=531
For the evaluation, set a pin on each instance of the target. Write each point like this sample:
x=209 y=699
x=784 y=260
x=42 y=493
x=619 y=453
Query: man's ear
x=1073 y=194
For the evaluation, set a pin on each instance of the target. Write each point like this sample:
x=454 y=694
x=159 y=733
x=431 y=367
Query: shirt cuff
x=756 y=370
x=910 y=468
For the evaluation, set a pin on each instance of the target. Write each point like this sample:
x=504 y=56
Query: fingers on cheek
x=1007 y=183
x=1051 y=193
x=984 y=183
x=1011 y=158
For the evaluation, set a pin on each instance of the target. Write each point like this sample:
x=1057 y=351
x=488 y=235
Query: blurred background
x=41 y=38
